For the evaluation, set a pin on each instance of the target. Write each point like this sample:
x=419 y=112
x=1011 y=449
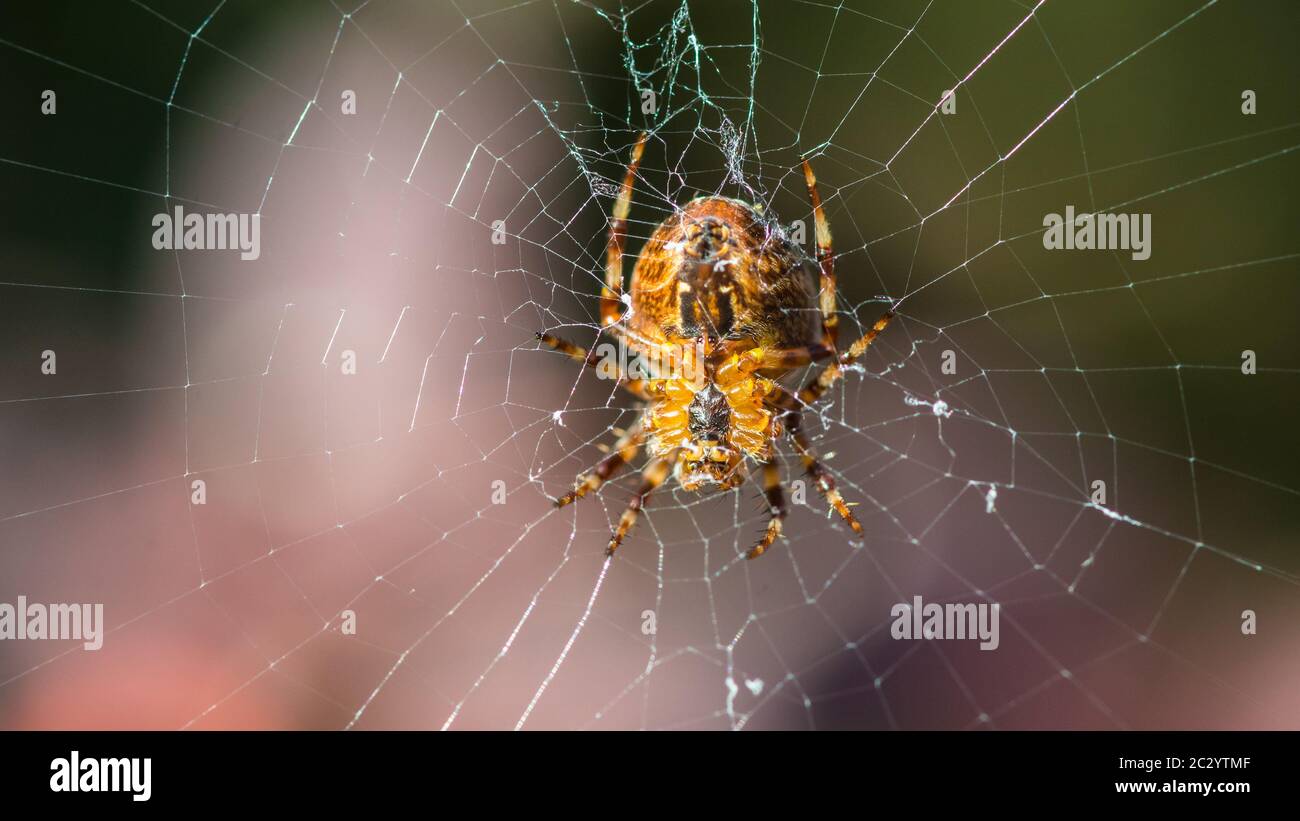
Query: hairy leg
x=818 y=473
x=611 y=307
x=776 y=509
x=623 y=452
x=828 y=377
x=652 y=477
x=825 y=259
x=637 y=387
x=817 y=387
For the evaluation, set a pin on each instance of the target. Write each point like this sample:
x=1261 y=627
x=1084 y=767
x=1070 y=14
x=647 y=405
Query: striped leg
x=776 y=509
x=781 y=399
x=624 y=451
x=611 y=307
x=786 y=359
x=652 y=477
x=818 y=473
x=832 y=373
x=825 y=259
x=780 y=360
x=577 y=353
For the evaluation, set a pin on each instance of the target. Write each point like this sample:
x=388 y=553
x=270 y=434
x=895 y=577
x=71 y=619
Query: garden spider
x=725 y=305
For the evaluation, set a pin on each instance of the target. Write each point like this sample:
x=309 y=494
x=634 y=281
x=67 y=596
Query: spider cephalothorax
x=725 y=305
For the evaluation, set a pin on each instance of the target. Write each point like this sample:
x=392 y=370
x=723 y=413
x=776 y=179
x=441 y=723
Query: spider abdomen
x=717 y=269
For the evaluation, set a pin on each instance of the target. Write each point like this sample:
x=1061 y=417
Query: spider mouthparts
x=694 y=473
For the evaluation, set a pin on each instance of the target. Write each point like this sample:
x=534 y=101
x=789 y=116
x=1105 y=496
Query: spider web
x=414 y=494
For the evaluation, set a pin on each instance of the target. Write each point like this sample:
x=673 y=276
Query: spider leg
x=624 y=451
x=825 y=259
x=815 y=389
x=611 y=307
x=828 y=376
x=776 y=508
x=818 y=473
x=785 y=359
x=637 y=387
x=575 y=352
x=652 y=477
x=781 y=399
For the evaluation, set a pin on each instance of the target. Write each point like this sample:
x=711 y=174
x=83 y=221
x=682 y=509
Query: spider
x=732 y=305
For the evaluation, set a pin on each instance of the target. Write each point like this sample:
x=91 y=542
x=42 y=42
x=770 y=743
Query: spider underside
x=727 y=302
